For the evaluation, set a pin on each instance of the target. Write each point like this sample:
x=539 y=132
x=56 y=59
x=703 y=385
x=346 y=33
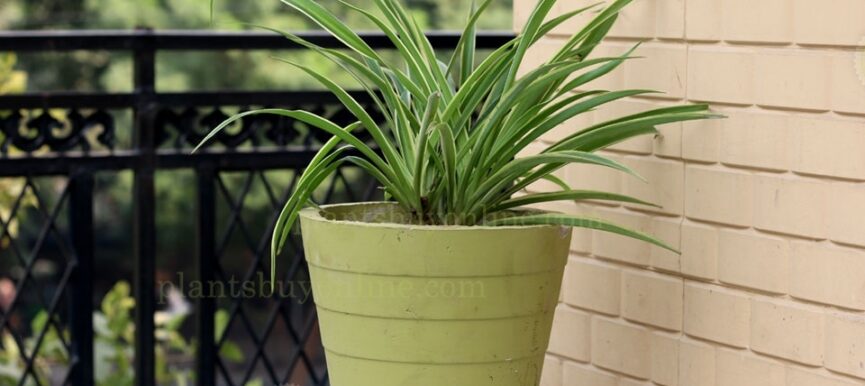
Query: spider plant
x=447 y=152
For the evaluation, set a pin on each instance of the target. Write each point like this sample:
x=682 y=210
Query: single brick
x=668 y=230
x=716 y=314
x=811 y=139
x=620 y=347
x=699 y=251
x=848 y=86
x=663 y=69
x=717 y=195
x=665 y=359
x=787 y=331
x=570 y=334
x=847 y=211
x=703 y=20
x=780 y=81
x=696 y=364
x=736 y=368
x=701 y=140
x=670 y=19
x=652 y=299
x=591 y=285
x=666 y=184
x=845 y=351
x=721 y=74
x=668 y=142
x=757 y=140
x=827 y=274
x=828 y=22
x=792 y=205
x=764 y=21
x=753 y=260
x=552 y=374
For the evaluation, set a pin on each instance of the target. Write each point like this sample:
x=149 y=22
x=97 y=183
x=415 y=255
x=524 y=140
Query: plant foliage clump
x=447 y=151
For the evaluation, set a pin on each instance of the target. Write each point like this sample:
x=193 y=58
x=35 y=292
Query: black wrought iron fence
x=69 y=138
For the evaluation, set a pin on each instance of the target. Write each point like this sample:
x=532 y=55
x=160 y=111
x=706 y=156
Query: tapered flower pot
x=409 y=305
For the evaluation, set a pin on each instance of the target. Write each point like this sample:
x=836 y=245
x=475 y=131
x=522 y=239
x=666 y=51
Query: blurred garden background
x=24 y=206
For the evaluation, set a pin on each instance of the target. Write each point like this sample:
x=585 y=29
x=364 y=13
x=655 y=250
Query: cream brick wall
x=767 y=206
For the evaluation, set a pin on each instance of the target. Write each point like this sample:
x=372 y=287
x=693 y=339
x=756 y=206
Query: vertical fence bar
x=145 y=209
x=205 y=361
x=81 y=280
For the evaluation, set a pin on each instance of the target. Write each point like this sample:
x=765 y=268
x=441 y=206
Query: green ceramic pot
x=413 y=305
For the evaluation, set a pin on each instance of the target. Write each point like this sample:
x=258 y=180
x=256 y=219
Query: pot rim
x=315 y=214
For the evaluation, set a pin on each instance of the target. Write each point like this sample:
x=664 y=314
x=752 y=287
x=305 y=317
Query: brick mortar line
x=753 y=293
x=782 y=111
x=795 y=173
x=792 y=45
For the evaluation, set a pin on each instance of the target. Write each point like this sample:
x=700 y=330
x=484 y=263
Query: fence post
x=81 y=280
x=205 y=361
x=145 y=208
